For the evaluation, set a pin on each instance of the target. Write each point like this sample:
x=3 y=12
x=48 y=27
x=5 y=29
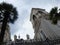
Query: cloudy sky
x=23 y=25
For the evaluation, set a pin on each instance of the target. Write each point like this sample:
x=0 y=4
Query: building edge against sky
x=37 y=17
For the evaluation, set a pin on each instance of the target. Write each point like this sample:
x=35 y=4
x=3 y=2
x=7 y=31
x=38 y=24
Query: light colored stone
x=35 y=18
x=43 y=28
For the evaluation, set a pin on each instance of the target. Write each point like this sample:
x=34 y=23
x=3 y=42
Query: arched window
x=40 y=12
x=34 y=17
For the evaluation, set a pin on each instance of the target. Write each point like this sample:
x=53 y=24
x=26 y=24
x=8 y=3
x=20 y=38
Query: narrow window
x=34 y=17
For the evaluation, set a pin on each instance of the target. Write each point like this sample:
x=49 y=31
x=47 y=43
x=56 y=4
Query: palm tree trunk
x=4 y=24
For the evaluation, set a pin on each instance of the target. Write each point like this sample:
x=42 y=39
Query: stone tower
x=27 y=37
x=43 y=28
x=15 y=37
x=35 y=18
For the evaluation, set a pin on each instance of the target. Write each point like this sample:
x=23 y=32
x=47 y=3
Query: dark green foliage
x=58 y=16
x=54 y=21
x=53 y=12
x=8 y=14
x=54 y=15
x=12 y=10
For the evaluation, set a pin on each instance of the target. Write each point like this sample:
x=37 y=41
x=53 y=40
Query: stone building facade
x=43 y=28
x=35 y=18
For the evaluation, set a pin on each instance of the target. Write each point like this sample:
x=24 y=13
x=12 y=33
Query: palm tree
x=8 y=13
x=53 y=15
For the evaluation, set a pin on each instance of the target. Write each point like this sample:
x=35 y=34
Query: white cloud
x=26 y=29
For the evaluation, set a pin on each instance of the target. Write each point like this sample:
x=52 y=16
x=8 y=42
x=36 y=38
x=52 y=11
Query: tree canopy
x=9 y=8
